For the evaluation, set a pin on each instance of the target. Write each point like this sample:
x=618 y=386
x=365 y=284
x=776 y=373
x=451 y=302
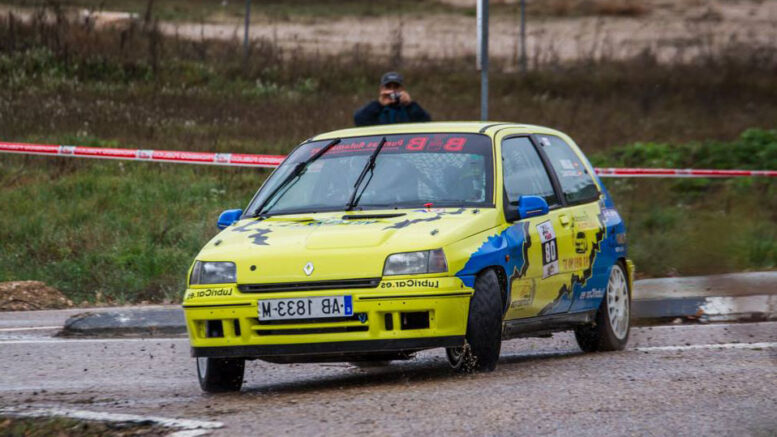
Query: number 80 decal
x=549 y=248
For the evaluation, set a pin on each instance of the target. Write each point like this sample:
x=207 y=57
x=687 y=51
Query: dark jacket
x=373 y=113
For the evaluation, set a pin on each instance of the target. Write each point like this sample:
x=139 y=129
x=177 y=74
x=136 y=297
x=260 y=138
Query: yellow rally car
x=371 y=244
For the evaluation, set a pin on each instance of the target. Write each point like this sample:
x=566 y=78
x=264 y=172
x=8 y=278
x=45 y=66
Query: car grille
x=358 y=322
x=338 y=284
x=305 y=331
x=354 y=318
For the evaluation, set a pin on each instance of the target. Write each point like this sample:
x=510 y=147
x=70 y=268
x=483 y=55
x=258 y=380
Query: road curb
x=139 y=322
x=145 y=322
x=737 y=297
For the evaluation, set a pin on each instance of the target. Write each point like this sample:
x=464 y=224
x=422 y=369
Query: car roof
x=483 y=127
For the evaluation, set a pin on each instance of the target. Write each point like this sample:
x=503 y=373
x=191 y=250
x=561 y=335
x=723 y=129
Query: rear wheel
x=611 y=330
x=217 y=375
x=484 y=328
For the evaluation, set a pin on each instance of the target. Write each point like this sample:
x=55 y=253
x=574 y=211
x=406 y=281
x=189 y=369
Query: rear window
x=576 y=183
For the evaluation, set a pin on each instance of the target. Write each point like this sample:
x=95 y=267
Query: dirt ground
x=31 y=295
x=674 y=31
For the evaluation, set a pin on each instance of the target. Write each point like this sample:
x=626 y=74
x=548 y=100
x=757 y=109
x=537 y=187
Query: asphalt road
x=673 y=380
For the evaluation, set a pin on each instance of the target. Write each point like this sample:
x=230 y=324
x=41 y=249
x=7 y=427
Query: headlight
x=414 y=263
x=213 y=273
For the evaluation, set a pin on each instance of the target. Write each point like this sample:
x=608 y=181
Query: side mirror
x=531 y=206
x=228 y=217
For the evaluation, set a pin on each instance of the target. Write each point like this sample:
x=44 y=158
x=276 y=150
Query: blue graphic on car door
x=508 y=249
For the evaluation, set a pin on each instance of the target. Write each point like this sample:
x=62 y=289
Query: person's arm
x=367 y=115
x=417 y=113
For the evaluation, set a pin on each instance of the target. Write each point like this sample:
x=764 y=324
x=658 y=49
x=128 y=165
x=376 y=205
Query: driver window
x=524 y=173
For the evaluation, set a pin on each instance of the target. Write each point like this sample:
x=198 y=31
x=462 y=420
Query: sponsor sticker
x=611 y=214
x=571 y=173
x=208 y=292
x=222 y=158
x=584 y=221
x=567 y=164
x=426 y=283
x=549 y=249
x=575 y=263
x=145 y=154
x=67 y=150
x=523 y=294
x=596 y=293
x=581 y=243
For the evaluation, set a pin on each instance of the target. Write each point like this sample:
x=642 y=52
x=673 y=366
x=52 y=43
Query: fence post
x=523 y=36
x=482 y=56
x=246 y=34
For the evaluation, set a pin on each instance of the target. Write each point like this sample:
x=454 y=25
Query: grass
x=699 y=226
x=573 y=8
x=127 y=232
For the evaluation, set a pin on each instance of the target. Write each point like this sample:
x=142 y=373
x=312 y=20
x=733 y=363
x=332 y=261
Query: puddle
x=735 y=308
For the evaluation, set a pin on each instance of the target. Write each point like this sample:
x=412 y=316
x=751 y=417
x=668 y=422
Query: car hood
x=338 y=246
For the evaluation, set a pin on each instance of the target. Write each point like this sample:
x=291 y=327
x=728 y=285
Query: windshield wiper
x=370 y=166
x=298 y=170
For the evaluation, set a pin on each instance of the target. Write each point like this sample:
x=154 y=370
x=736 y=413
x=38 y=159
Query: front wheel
x=611 y=330
x=484 y=328
x=218 y=375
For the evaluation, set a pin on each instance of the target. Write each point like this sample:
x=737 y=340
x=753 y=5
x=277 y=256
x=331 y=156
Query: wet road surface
x=673 y=380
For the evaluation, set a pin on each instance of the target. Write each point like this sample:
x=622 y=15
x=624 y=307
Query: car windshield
x=411 y=170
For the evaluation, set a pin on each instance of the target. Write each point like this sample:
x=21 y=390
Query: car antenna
x=298 y=170
x=369 y=167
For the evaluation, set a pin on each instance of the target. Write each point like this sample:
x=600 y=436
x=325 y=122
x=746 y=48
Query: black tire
x=484 y=328
x=601 y=336
x=218 y=375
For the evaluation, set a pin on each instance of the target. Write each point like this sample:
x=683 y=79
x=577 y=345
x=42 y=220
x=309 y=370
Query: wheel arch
x=628 y=267
x=504 y=291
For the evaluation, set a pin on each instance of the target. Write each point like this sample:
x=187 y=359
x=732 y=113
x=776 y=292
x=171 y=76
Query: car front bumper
x=386 y=319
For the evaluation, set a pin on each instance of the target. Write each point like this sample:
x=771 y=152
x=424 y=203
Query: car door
x=535 y=290
x=583 y=211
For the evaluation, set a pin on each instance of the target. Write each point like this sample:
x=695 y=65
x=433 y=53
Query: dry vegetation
x=616 y=8
x=129 y=231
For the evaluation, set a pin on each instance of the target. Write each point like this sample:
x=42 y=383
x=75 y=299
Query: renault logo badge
x=308 y=268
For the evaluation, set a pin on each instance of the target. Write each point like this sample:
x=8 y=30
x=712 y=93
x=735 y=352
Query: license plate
x=305 y=308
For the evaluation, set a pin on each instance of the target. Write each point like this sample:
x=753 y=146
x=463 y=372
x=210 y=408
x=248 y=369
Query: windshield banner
x=430 y=143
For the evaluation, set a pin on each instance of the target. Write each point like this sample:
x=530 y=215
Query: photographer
x=394 y=105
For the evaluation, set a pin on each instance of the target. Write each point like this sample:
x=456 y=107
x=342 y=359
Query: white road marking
x=702 y=326
x=189 y=433
x=183 y=424
x=765 y=345
x=31 y=328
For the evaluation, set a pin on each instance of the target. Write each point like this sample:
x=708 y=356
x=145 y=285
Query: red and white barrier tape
x=680 y=173
x=271 y=161
x=175 y=156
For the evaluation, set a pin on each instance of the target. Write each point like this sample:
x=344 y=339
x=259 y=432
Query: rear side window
x=524 y=173
x=578 y=186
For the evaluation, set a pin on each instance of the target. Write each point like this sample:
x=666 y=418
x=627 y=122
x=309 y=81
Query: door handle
x=564 y=220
